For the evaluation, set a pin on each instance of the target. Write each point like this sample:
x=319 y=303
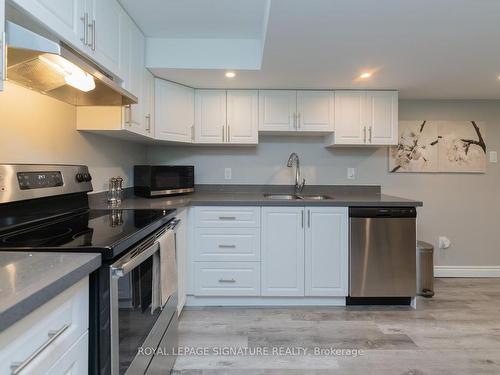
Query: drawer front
x=227 y=278
x=75 y=361
x=42 y=337
x=227 y=217
x=227 y=244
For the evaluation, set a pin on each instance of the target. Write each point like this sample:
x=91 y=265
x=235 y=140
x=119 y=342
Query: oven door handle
x=120 y=269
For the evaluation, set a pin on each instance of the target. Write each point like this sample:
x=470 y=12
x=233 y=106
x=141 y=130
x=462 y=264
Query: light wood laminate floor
x=456 y=332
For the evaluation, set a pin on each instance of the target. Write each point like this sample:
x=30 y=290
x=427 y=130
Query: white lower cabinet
x=74 y=361
x=40 y=341
x=326 y=251
x=281 y=254
x=282 y=251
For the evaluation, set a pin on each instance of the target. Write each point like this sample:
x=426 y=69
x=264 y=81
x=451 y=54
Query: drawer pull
x=227 y=246
x=227 y=280
x=17 y=367
x=227 y=218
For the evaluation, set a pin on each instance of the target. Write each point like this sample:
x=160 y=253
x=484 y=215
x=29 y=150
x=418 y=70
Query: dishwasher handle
x=383 y=212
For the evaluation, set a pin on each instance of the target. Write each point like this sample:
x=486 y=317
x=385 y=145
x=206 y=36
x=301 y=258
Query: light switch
x=493 y=157
x=228 y=173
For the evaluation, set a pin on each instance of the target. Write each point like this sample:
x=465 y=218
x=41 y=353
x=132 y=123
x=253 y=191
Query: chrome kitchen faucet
x=294 y=158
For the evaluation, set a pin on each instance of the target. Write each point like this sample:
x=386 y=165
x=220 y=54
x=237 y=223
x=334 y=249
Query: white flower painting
x=439 y=146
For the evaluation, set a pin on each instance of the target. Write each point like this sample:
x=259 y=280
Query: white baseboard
x=265 y=301
x=467 y=271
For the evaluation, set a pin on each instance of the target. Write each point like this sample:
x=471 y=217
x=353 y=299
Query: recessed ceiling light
x=230 y=74
x=365 y=75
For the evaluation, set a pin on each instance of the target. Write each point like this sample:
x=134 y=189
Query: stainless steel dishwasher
x=382 y=252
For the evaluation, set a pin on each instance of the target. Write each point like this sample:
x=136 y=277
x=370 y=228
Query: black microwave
x=161 y=180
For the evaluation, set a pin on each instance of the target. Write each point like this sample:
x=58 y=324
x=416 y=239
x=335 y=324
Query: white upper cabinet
x=149 y=103
x=282 y=251
x=382 y=117
x=93 y=27
x=291 y=110
x=242 y=116
x=69 y=19
x=210 y=116
x=2 y=46
x=326 y=251
x=366 y=118
x=174 y=112
x=315 y=111
x=349 y=117
x=277 y=110
x=106 y=30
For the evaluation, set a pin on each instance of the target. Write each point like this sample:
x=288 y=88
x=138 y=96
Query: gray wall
x=37 y=129
x=460 y=206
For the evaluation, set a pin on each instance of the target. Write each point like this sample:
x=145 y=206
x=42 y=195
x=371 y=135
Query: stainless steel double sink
x=291 y=197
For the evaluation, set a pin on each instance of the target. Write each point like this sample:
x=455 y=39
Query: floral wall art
x=439 y=146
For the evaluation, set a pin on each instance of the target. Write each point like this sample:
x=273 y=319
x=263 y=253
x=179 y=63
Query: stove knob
x=87 y=177
x=79 y=177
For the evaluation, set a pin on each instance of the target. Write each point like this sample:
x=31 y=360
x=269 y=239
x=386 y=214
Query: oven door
x=138 y=319
x=166 y=180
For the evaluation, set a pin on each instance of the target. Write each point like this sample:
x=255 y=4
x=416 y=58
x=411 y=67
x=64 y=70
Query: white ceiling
x=425 y=48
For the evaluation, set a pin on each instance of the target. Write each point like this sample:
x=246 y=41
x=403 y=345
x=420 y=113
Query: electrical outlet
x=493 y=157
x=228 y=173
x=351 y=173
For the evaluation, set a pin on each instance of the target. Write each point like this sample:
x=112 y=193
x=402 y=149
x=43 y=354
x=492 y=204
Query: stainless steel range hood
x=56 y=70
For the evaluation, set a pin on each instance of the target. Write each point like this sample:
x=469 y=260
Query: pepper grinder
x=119 y=190
x=112 y=192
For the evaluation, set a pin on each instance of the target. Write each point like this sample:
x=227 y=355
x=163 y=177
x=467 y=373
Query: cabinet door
x=2 y=41
x=210 y=116
x=350 y=128
x=75 y=361
x=282 y=251
x=277 y=110
x=63 y=17
x=326 y=251
x=242 y=116
x=315 y=111
x=105 y=33
x=174 y=109
x=134 y=114
x=382 y=117
x=149 y=103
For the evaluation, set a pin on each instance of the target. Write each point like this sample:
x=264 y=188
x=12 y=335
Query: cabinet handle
x=298 y=120
x=93 y=35
x=227 y=218
x=227 y=246
x=294 y=120
x=302 y=217
x=192 y=133
x=364 y=132
x=228 y=133
x=3 y=56
x=16 y=367
x=148 y=120
x=85 y=20
x=309 y=218
x=227 y=280
x=223 y=139
x=370 y=130
x=128 y=119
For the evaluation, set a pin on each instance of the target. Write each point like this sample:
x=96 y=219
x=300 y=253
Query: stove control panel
x=20 y=182
x=39 y=180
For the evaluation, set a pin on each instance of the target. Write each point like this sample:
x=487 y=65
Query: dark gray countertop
x=253 y=195
x=28 y=280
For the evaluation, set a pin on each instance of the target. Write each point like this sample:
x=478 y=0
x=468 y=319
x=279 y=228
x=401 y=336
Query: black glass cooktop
x=106 y=231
